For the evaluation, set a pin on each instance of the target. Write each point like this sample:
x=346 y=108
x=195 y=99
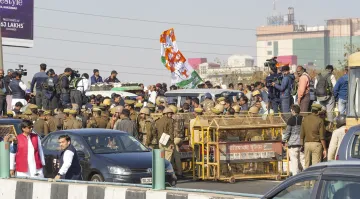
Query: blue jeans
x=275 y=104
x=285 y=104
x=342 y=105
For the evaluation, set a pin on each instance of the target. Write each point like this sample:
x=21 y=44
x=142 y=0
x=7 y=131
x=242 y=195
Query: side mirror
x=81 y=154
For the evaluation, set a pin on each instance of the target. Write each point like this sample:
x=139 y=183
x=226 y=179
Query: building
x=238 y=66
x=312 y=46
x=194 y=62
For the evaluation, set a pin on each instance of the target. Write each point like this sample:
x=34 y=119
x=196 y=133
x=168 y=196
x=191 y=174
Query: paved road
x=243 y=186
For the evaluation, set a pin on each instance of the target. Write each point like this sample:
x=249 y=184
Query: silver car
x=350 y=145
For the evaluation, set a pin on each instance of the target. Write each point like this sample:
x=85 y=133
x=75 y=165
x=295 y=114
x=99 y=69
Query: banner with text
x=17 y=22
x=182 y=74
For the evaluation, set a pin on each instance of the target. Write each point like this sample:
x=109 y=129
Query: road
x=241 y=186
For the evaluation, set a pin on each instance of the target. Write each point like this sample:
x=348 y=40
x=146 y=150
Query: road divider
x=18 y=188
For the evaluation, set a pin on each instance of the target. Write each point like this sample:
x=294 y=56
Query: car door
x=81 y=146
x=298 y=187
x=339 y=187
x=51 y=152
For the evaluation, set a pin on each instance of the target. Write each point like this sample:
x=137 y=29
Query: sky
x=132 y=48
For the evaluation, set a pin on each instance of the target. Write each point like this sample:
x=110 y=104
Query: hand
x=12 y=173
x=172 y=146
x=57 y=177
x=273 y=83
x=324 y=154
x=6 y=138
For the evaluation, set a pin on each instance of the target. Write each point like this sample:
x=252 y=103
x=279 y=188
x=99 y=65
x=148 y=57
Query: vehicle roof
x=108 y=93
x=200 y=91
x=89 y=131
x=9 y=121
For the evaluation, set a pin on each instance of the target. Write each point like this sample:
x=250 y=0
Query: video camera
x=271 y=63
x=75 y=73
x=21 y=70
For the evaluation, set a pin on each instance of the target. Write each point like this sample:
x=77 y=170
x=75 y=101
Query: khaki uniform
x=312 y=132
x=72 y=123
x=147 y=133
x=33 y=117
x=101 y=122
x=110 y=125
x=133 y=115
x=208 y=104
x=59 y=119
x=179 y=135
x=166 y=125
x=41 y=127
x=52 y=124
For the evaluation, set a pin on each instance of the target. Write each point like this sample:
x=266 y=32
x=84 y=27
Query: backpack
x=74 y=82
x=323 y=87
x=58 y=85
x=49 y=84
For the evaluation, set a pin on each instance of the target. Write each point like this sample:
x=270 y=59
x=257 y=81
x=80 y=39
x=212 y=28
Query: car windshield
x=114 y=143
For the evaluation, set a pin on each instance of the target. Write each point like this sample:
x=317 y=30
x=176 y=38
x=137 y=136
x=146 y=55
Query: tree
x=349 y=49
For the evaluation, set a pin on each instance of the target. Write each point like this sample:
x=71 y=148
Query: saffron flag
x=182 y=74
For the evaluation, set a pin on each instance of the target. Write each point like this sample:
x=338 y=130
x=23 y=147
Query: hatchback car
x=327 y=180
x=105 y=155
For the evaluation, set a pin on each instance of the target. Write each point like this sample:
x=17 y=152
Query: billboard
x=17 y=22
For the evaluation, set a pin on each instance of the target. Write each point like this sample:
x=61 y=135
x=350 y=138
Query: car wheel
x=97 y=178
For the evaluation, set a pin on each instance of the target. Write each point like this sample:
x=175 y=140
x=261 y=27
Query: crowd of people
x=55 y=102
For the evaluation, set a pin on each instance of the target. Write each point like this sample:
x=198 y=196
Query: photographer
x=285 y=89
x=38 y=79
x=78 y=86
x=18 y=89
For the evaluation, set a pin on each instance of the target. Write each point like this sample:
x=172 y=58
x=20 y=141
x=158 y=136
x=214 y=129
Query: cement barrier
x=15 y=188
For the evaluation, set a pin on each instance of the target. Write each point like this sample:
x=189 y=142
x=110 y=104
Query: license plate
x=146 y=180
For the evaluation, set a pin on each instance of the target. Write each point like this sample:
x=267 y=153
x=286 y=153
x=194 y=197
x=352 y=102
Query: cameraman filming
x=18 y=89
x=285 y=89
x=274 y=94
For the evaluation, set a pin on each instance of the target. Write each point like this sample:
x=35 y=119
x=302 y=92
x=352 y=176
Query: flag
x=182 y=74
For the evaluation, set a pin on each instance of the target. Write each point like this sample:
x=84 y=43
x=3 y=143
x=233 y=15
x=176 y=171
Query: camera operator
x=18 y=89
x=285 y=89
x=274 y=94
x=78 y=86
x=62 y=87
x=38 y=79
x=7 y=80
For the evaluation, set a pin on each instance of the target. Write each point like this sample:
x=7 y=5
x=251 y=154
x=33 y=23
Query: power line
x=33 y=64
x=144 y=20
x=83 y=62
x=153 y=39
x=146 y=48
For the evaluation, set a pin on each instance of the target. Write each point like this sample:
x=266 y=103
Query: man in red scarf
x=27 y=156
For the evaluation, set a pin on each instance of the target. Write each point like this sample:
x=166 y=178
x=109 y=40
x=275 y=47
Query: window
x=354 y=90
x=52 y=143
x=269 y=43
x=355 y=152
x=341 y=189
x=301 y=189
x=269 y=52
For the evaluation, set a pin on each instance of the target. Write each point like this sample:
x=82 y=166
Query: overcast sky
x=138 y=60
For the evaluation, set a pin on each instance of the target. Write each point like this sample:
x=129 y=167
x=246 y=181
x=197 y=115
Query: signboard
x=17 y=22
x=249 y=151
x=185 y=151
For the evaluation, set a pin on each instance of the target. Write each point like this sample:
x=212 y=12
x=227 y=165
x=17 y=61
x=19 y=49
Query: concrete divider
x=15 y=188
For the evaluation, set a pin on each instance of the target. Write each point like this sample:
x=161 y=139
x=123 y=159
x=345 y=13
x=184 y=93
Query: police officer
x=50 y=120
x=274 y=94
x=71 y=122
x=312 y=137
x=59 y=118
x=179 y=135
x=41 y=126
x=147 y=130
x=97 y=119
x=208 y=103
x=129 y=105
x=165 y=125
x=34 y=112
x=69 y=161
x=125 y=124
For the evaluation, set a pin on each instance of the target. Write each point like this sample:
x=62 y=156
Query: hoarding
x=17 y=22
